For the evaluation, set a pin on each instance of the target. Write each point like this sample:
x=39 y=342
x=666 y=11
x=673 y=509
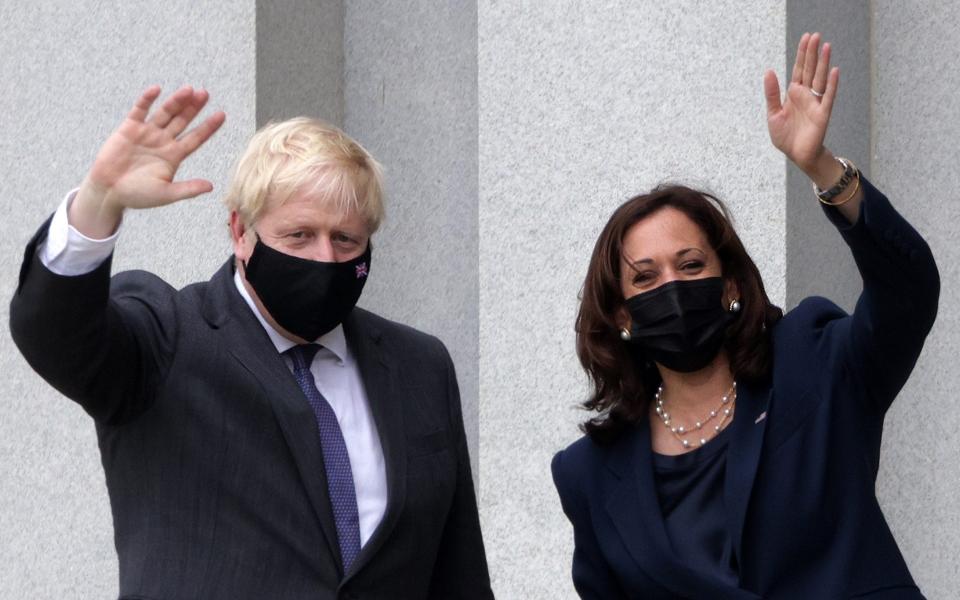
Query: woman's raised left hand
x=799 y=123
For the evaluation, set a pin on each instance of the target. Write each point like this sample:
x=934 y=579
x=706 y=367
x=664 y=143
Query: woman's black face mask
x=308 y=298
x=680 y=324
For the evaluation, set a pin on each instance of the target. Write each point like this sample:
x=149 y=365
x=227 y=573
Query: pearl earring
x=735 y=306
x=625 y=334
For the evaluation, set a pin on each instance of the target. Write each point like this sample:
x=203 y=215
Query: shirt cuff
x=68 y=252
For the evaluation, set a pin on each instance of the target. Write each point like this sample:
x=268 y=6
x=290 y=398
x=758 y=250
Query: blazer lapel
x=251 y=346
x=376 y=372
x=743 y=455
x=635 y=510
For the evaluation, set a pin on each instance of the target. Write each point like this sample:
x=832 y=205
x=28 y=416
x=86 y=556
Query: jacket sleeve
x=592 y=577
x=880 y=343
x=461 y=567
x=102 y=344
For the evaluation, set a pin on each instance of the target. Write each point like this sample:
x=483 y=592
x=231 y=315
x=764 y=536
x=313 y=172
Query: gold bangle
x=856 y=187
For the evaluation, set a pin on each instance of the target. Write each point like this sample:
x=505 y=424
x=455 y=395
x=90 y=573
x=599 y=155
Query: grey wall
x=411 y=99
x=810 y=245
x=509 y=132
x=915 y=132
x=72 y=70
x=299 y=54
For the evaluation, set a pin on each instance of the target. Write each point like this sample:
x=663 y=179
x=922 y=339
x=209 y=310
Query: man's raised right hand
x=136 y=165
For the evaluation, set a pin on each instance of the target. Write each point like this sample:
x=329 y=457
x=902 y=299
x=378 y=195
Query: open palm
x=798 y=125
x=136 y=165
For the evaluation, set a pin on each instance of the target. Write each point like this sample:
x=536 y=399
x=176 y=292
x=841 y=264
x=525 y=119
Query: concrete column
x=581 y=107
x=411 y=99
x=915 y=131
x=818 y=261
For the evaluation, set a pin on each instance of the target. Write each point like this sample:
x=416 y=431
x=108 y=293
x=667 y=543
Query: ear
x=242 y=243
x=623 y=318
x=731 y=292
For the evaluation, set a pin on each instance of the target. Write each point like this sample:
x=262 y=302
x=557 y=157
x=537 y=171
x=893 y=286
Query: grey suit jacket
x=210 y=450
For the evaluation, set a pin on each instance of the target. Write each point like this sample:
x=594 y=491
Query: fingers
x=810 y=59
x=192 y=106
x=833 y=83
x=202 y=132
x=142 y=106
x=819 y=82
x=771 y=89
x=797 y=75
x=172 y=106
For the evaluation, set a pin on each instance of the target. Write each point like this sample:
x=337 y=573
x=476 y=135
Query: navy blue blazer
x=802 y=463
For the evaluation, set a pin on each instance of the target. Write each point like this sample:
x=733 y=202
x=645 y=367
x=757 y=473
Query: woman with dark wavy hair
x=733 y=450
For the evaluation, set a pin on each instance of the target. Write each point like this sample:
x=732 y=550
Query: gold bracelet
x=856 y=187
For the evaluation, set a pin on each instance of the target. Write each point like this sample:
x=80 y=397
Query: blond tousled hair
x=286 y=157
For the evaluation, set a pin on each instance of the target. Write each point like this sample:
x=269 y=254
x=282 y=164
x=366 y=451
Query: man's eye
x=343 y=239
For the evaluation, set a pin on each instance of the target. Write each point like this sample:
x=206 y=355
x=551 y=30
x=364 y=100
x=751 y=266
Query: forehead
x=663 y=233
x=312 y=205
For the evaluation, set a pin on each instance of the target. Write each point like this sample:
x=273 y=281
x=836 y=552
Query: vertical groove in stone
x=299 y=60
x=817 y=261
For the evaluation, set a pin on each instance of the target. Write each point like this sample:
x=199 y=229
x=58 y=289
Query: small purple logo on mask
x=361 y=270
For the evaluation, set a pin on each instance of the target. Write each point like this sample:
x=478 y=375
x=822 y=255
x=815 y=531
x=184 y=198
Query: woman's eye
x=643 y=277
x=692 y=265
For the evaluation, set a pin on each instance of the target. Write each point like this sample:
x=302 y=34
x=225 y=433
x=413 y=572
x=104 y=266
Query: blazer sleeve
x=881 y=342
x=461 y=567
x=592 y=577
x=102 y=344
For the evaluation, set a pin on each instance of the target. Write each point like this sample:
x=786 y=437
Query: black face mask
x=308 y=298
x=680 y=324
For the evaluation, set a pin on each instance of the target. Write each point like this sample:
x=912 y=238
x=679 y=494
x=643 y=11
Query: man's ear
x=242 y=247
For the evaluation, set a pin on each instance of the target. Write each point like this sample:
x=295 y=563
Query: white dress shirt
x=66 y=251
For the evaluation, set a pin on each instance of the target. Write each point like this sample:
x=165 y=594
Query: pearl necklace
x=724 y=409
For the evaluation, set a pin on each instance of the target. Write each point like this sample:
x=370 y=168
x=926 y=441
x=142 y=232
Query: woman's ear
x=731 y=292
x=623 y=318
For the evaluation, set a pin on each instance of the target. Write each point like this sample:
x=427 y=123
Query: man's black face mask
x=308 y=298
x=680 y=324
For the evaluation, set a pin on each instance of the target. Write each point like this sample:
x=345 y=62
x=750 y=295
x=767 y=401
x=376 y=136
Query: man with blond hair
x=261 y=436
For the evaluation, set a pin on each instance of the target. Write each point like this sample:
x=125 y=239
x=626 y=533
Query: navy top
x=690 y=490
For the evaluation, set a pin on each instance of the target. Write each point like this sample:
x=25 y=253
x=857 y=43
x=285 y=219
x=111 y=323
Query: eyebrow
x=679 y=254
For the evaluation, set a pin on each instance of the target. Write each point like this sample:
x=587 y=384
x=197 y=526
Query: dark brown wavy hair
x=623 y=380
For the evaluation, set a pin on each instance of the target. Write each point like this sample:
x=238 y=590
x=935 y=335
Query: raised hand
x=798 y=125
x=136 y=165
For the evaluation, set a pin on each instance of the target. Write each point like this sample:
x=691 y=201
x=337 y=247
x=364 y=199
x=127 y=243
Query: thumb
x=771 y=89
x=191 y=188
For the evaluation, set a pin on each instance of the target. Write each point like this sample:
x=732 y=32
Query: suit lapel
x=743 y=455
x=376 y=372
x=251 y=346
x=635 y=510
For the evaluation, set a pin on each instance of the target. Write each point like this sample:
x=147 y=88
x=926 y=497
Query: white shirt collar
x=334 y=340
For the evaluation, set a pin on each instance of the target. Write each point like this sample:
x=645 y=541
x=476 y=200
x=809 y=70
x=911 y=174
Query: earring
x=625 y=334
x=735 y=306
